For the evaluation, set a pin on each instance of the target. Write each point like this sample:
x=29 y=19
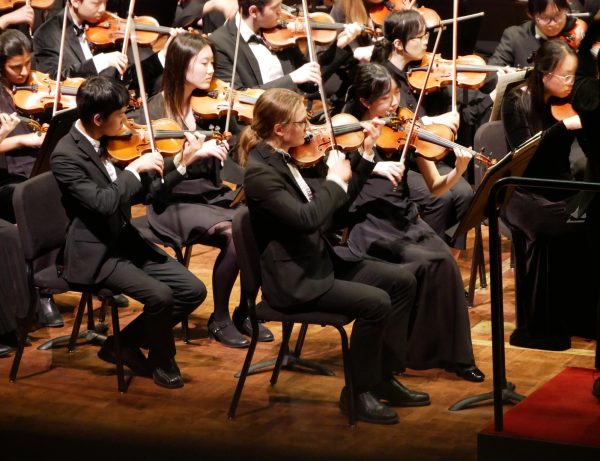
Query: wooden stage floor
x=67 y=405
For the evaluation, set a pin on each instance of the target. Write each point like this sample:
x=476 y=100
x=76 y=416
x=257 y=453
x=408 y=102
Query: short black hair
x=246 y=4
x=100 y=95
x=539 y=6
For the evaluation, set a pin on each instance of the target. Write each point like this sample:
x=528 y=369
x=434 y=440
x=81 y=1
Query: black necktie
x=78 y=30
x=256 y=39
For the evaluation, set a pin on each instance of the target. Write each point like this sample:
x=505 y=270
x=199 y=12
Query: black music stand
x=513 y=164
x=60 y=125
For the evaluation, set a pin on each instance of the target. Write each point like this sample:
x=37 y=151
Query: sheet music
x=505 y=81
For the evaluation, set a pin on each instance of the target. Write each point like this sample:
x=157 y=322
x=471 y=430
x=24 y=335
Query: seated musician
x=403 y=46
x=258 y=66
x=103 y=248
x=79 y=58
x=386 y=225
x=199 y=209
x=299 y=272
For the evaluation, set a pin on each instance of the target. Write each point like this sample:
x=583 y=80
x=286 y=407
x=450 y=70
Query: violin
x=471 y=73
x=216 y=102
x=38 y=93
x=575 y=34
x=348 y=134
x=37 y=4
x=36 y=126
x=111 y=28
x=169 y=138
x=562 y=109
x=290 y=28
x=432 y=142
x=379 y=11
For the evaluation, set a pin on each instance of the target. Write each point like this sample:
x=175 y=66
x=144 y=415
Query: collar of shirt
x=94 y=142
x=245 y=30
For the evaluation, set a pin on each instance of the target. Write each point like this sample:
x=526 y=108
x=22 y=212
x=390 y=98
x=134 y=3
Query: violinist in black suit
x=102 y=246
x=258 y=66
x=80 y=58
x=302 y=271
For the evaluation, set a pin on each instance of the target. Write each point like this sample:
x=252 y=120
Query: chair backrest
x=41 y=218
x=247 y=252
x=491 y=138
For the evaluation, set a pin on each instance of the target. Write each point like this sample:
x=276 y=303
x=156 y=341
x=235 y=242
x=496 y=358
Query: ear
x=97 y=120
x=397 y=45
x=253 y=11
x=364 y=102
x=278 y=129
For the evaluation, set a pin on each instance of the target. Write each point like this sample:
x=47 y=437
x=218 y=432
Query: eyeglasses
x=424 y=37
x=304 y=122
x=566 y=79
x=555 y=19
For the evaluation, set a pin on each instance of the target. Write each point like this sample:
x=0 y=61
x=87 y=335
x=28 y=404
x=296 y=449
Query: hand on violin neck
x=152 y=161
x=349 y=34
x=394 y=171
x=309 y=72
x=23 y=15
x=115 y=59
x=463 y=158
x=372 y=130
x=195 y=150
x=8 y=122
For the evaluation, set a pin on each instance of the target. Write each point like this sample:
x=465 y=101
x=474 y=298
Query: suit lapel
x=88 y=150
x=72 y=41
x=274 y=159
x=246 y=52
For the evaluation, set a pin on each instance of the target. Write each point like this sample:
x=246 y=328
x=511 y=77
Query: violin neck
x=66 y=90
x=179 y=134
x=244 y=98
x=463 y=68
x=346 y=128
x=317 y=25
x=150 y=28
x=425 y=135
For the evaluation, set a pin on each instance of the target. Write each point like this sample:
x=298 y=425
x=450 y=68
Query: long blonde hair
x=354 y=11
x=276 y=105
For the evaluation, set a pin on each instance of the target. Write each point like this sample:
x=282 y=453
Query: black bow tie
x=78 y=30
x=256 y=39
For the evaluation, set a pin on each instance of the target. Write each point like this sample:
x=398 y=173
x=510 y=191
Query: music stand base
x=508 y=396
x=291 y=362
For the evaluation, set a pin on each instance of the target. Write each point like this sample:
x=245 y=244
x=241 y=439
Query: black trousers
x=379 y=296
x=169 y=293
x=14 y=293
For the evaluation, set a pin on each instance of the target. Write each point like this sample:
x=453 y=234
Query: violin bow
x=313 y=58
x=128 y=26
x=230 y=96
x=140 y=77
x=61 y=53
x=454 y=53
x=28 y=3
x=420 y=100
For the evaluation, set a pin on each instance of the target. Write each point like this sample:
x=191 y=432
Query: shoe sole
x=407 y=404
x=373 y=421
x=214 y=338
x=174 y=386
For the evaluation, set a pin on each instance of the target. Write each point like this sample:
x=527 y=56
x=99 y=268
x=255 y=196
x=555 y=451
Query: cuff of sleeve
x=133 y=172
x=180 y=167
x=368 y=156
x=425 y=120
x=339 y=181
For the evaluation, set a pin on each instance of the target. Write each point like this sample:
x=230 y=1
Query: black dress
x=386 y=225
x=552 y=299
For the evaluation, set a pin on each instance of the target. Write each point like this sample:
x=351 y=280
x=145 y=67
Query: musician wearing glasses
x=548 y=248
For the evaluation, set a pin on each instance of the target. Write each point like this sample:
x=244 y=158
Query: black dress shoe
x=394 y=393
x=48 y=313
x=596 y=388
x=5 y=350
x=226 y=333
x=133 y=357
x=368 y=408
x=469 y=373
x=243 y=324
x=168 y=376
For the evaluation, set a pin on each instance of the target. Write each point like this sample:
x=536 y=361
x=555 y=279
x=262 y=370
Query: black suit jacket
x=46 y=48
x=296 y=261
x=248 y=71
x=100 y=230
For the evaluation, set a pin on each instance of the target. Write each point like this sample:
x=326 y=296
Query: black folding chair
x=42 y=223
x=249 y=262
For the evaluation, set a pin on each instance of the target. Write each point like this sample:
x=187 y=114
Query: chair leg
x=245 y=368
x=283 y=350
x=84 y=301
x=348 y=376
x=121 y=384
x=23 y=328
x=185 y=329
x=477 y=266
